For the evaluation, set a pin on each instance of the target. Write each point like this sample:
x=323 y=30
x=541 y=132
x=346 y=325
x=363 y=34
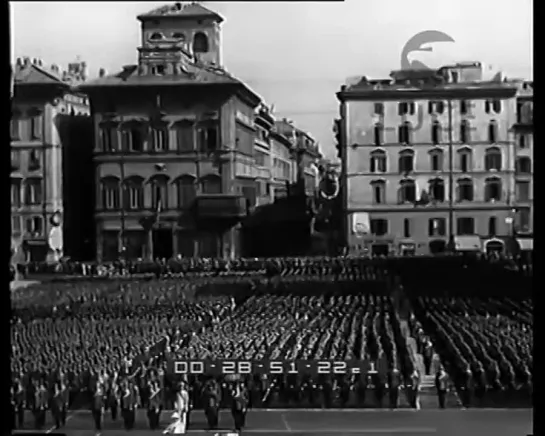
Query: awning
x=526 y=244
x=467 y=243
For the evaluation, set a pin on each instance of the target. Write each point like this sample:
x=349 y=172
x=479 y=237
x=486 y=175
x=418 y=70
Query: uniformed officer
x=129 y=402
x=154 y=405
x=441 y=383
x=114 y=399
x=239 y=406
x=40 y=405
x=414 y=390
x=394 y=384
x=466 y=387
x=98 y=405
x=20 y=403
x=13 y=408
x=57 y=405
x=211 y=399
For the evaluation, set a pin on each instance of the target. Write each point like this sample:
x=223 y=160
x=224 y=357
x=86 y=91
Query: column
x=175 y=242
x=99 y=243
x=149 y=244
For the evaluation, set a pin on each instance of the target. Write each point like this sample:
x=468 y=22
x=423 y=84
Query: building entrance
x=162 y=244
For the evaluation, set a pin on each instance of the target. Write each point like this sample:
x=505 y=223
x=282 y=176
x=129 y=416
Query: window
x=15 y=127
x=454 y=75
x=377 y=162
x=465 y=226
x=496 y=106
x=465 y=160
x=211 y=185
x=208 y=139
x=185 y=139
x=159 y=138
x=407 y=191
x=16 y=227
x=436 y=107
x=16 y=200
x=159 y=192
x=524 y=165
x=33 y=191
x=200 y=43
x=108 y=138
x=436 y=160
x=492 y=159
x=492 y=132
x=465 y=137
x=185 y=191
x=522 y=141
x=406 y=161
x=492 y=189
x=437 y=190
x=465 y=190
x=523 y=220
x=34 y=226
x=34 y=160
x=132 y=139
x=159 y=70
x=487 y=106
x=404 y=133
x=36 y=126
x=525 y=112
x=109 y=189
x=436 y=132
x=178 y=35
x=379 y=227
x=492 y=226
x=406 y=108
x=437 y=227
x=522 y=191
x=379 y=191
x=378 y=134
x=406 y=228
x=156 y=36
x=134 y=193
x=15 y=160
x=464 y=107
x=379 y=109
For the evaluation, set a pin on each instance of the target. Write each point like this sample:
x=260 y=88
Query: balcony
x=214 y=207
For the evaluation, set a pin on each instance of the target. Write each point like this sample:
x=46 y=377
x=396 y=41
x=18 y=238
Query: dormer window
x=200 y=43
x=156 y=36
x=158 y=70
x=178 y=35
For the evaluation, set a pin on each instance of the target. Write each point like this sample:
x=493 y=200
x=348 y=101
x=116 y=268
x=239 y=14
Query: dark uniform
x=394 y=384
x=154 y=405
x=40 y=406
x=20 y=404
x=466 y=388
x=239 y=406
x=98 y=405
x=129 y=402
x=441 y=383
x=414 y=390
x=211 y=399
x=60 y=405
x=114 y=400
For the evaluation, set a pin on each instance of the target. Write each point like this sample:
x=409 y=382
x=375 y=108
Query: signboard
x=56 y=239
x=360 y=224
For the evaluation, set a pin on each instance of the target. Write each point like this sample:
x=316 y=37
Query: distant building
x=428 y=159
x=174 y=149
x=49 y=138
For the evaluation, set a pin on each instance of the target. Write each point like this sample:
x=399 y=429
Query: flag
x=159 y=205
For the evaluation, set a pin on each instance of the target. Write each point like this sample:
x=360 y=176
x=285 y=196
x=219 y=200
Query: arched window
x=159 y=137
x=155 y=36
x=407 y=191
x=524 y=165
x=16 y=187
x=185 y=191
x=108 y=137
x=404 y=133
x=493 y=132
x=379 y=108
x=33 y=191
x=465 y=189
x=109 y=193
x=200 y=43
x=436 y=107
x=465 y=160
x=464 y=107
x=379 y=191
x=492 y=159
x=207 y=137
x=496 y=106
x=35 y=226
x=378 y=134
x=15 y=125
x=437 y=190
x=35 y=159
x=377 y=162
x=406 y=161
x=185 y=136
x=492 y=226
x=436 y=133
x=132 y=137
x=465 y=128
x=492 y=189
x=179 y=36
x=36 y=121
x=134 y=193
x=159 y=192
x=211 y=184
x=436 y=159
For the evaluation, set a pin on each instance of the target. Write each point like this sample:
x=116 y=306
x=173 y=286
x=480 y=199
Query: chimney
x=20 y=63
x=84 y=71
x=40 y=63
x=101 y=72
x=55 y=68
x=26 y=62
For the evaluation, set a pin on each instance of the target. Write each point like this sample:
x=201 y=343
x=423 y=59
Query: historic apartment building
x=524 y=170
x=174 y=143
x=428 y=159
x=48 y=124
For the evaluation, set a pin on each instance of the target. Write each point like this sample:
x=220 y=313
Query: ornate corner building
x=430 y=161
x=49 y=127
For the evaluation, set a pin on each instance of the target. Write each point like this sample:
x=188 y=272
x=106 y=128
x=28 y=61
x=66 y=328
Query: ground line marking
x=285 y=421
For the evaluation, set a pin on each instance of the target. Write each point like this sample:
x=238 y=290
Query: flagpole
x=451 y=244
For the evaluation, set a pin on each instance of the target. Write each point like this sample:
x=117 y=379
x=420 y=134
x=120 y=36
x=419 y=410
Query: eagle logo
x=416 y=43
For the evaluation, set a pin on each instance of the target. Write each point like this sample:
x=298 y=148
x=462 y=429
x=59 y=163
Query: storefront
x=467 y=243
x=494 y=245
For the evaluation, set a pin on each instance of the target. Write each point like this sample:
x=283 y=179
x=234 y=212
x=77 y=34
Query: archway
x=437 y=246
x=494 y=246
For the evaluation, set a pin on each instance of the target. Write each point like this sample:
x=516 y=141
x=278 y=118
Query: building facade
x=524 y=170
x=48 y=123
x=428 y=160
x=174 y=144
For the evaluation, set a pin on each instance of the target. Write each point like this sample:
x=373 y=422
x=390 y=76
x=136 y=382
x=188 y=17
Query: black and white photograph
x=261 y=218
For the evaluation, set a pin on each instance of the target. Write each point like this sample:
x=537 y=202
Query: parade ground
x=472 y=422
